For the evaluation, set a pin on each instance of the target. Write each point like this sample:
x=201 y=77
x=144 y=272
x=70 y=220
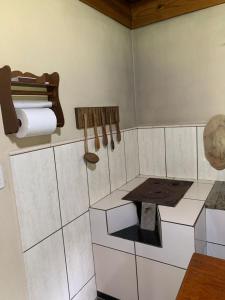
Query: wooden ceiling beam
x=146 y=12
x=119 y=10
x=137 y=13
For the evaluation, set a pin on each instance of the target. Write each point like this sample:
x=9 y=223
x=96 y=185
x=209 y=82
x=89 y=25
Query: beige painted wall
x=93 y=56
x=180 y=68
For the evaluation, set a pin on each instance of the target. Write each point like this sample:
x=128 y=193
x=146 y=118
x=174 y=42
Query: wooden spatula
x=88 y=156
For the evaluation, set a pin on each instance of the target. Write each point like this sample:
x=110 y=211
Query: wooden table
x=204 y=279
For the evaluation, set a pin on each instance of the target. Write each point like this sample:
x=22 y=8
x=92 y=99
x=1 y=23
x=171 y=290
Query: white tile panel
x=199 y=191
x=216 y=250
x=185 y=212
x=122 y=217
x=100 y=233
x=152 y=151
x=98 y=174
x=181 y=152
x=46 y=270
x=36 y=195
x=115 y=273
x=157 y=281
x=131 y=185
x=215 y=226
x=72 y=180
x=88 y=292
x=111 y=201
x=117 y=165
x=177 y=246
x=79 y=257
x=131 y=153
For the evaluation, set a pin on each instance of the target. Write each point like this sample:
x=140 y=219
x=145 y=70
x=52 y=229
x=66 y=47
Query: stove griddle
x=165 y=192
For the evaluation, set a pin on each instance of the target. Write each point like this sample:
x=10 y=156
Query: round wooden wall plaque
x=214 y=142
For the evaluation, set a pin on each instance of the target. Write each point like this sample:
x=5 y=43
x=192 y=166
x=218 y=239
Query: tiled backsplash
x=175 y=152
x=54 y=189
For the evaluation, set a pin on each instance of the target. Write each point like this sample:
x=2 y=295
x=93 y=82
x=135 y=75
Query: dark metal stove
x=156 y=192
x=165 y=192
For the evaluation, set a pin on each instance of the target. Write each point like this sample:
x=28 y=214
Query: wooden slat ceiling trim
x=137 y=13
x=115 y=9
x=146 y=12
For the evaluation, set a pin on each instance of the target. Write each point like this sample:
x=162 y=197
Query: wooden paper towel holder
x=44 y=85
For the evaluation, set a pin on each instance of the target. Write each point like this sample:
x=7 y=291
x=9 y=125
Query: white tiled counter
x=183 y=231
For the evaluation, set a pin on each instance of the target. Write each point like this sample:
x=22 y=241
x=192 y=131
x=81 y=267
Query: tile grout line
x=89 y=280
x=63 y=239
x=165 y=152
x=125 y=160
x=138 y=158
x=42 y=240
x=213 y=243
x=75 y=219
x=134 y=77
x=88 y=187
x=197 y=152
x=135 y=257
x=92 y=245
x=133 y=254
x=59 y=144
x=110 y=183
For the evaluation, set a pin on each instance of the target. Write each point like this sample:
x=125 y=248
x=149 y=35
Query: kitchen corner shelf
x=44 y=85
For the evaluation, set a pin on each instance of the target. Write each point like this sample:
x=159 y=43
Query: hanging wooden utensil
x=97 y=142
x=104 y=134
x=111 y=134
x=88 y=156
x=118 y=133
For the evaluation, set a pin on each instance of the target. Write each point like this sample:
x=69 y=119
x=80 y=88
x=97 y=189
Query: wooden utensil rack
x=108 y=111
x=44 y=85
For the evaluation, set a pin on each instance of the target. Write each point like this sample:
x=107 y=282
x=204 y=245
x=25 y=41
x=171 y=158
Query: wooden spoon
x=88 y=156
x=104 y=134
x=97 y=142
x=111 y=134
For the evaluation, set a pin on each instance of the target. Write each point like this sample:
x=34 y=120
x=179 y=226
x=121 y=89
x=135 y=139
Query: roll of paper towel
x=32 y=104
x=36 y=121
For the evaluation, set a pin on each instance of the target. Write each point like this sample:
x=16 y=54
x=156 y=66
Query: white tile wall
x=199 y=191
x=112 y=200
x=216 y=250
x=117 y=164
x=115 y=273
x=215 y=225
x=131 y=185
x=122 y=217
x=185 y=212
x=36 y=195
x=100 y=233
x=200 y=226
x=205 y=171
x=79 y=257
x=46 y=270
x=201 y=247
x=181 y=152
x=176 y=239
x=72 y=180
x=157 y=281
x=98 y=175
x=131 y=153
x=152 y=151
x=88 y=292
x=38 y=209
